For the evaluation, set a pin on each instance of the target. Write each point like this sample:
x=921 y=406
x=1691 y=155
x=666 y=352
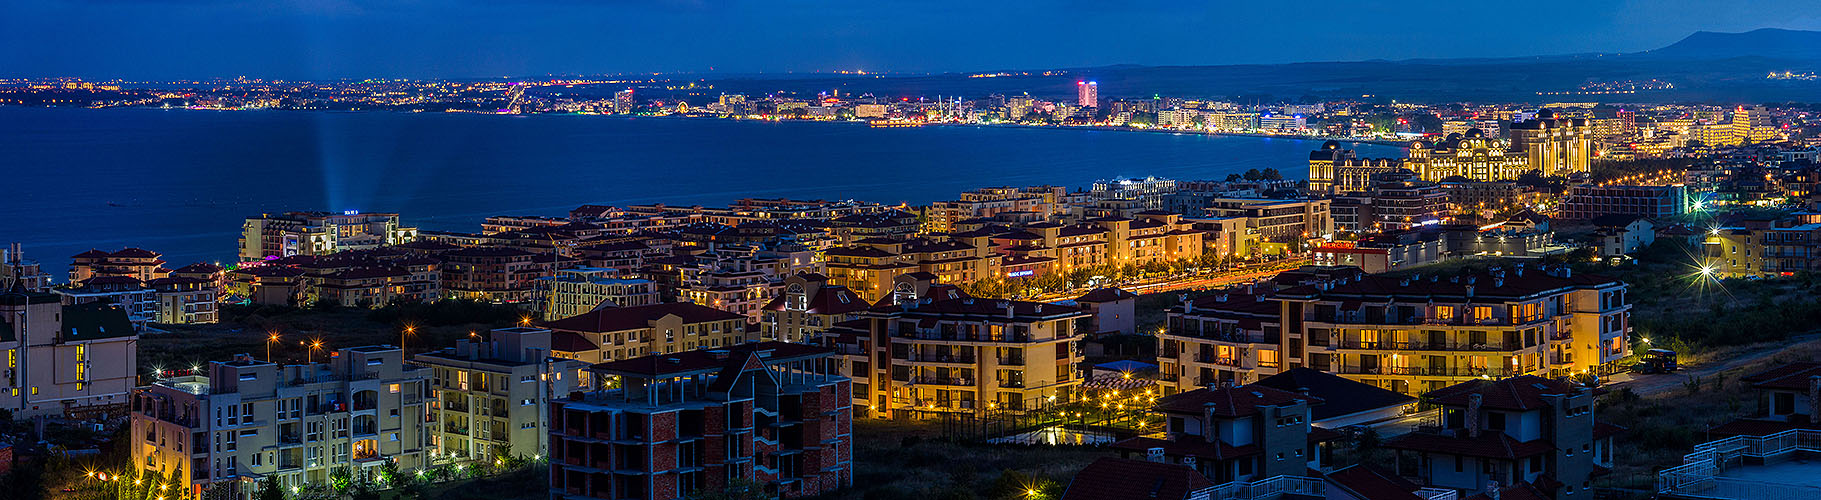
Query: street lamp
x=409 y=330
x=310 y=357
x=271 y=338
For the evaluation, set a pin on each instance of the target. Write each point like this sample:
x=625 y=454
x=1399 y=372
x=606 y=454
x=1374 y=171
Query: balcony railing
x=1015 y=361
x=942 y=381
x=938 y=358
x=1016 y=384
x=1430 y=346
x=1425 y=372
x=1221 y=360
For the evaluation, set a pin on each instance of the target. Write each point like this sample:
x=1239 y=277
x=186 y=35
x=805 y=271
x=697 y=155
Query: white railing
x=1437 y=494
x=1264 y=489
x=1701 y=468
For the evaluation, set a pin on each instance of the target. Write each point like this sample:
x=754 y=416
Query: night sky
x=168 y=39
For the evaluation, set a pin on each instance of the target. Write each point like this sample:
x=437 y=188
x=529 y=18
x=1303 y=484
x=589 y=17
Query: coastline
x=1098 y=128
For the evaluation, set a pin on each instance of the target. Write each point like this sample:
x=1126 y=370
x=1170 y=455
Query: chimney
x=1492 y=489
x=1208 y=432
x=1473 y=415
x=1220 y=298
x=1469 y=290
x=1154 y=455
x=1188 y=306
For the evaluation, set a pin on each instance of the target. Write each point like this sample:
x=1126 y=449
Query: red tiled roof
x=571 y=342
x=1107 y=294
x=1230 y=401
x=1792 y=376
x=1125 y=479
x=829 y=299
x=134 y=253
x=1368 y=483
x=1605 y=430
x=1490 y=444
x=1517 y=393
x=1758 y=427
x=616 y=319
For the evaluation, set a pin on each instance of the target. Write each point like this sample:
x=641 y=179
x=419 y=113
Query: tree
x=269 y=489
x=1233 y=177
x=1271 y=174
x=1253 y=175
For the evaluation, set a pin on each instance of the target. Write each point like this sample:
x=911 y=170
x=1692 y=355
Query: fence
x=1700 y=472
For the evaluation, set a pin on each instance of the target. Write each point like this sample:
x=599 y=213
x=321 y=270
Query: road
x=1646 y=385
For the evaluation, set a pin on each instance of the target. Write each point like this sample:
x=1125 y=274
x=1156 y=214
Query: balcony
x=1013 y=361
x=1221 y=360
x=1425 y=372
x=942 y=381
x=1430 y=346
x=939 y=358
x=1013 y=384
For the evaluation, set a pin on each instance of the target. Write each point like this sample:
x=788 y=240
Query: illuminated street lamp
x=409 y=330
x=271 y=338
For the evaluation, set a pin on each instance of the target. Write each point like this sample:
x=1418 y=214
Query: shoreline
x=1098 y=128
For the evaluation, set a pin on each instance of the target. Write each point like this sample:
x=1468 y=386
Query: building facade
x=768 y=412
x=245 y=420
x=492 y=393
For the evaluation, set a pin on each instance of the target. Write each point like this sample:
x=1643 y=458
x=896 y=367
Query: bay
x=180 y=182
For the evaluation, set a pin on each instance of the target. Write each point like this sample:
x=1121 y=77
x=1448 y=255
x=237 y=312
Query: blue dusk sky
x=170 y=39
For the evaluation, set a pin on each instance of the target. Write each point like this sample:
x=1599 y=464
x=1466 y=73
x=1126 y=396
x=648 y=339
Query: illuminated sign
x=1020 y=274
x=350 y=212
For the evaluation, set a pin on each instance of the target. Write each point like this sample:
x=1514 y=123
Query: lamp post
x=310 y=356
x=409 y=330
x=272 y=338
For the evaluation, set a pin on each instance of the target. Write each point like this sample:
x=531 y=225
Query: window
x=392 y=388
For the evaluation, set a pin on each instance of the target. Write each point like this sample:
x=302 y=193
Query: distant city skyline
x=295 y=39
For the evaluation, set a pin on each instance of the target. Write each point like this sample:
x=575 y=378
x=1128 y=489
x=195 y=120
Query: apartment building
x=1591 y=201
x=868 y=267
x=938 y=354
x=183 y=300
x=245 y=420
x=500 y=275
x=1397 y=200
x=809 y=305
x=1408 y=334
x=124 y=292
x=492 y=393
x=774 y=413
x=616 y=333
x=51 y=351
x=1235 y=433
x=1761 y=248
x=319 y=233
x=571 y=292
x=1278 y=221
x=1493 y=434
x=136 y=263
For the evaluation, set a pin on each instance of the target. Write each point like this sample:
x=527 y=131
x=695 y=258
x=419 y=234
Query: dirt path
x=1647 y=385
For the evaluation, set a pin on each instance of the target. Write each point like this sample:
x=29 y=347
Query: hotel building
x=491 y=394
x=317 y=233
x=1409 y=334
x=938 y=354
x=773 y=413
x=572 y=292
x=616 y=333
x=50 y=351
x=246 y=420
